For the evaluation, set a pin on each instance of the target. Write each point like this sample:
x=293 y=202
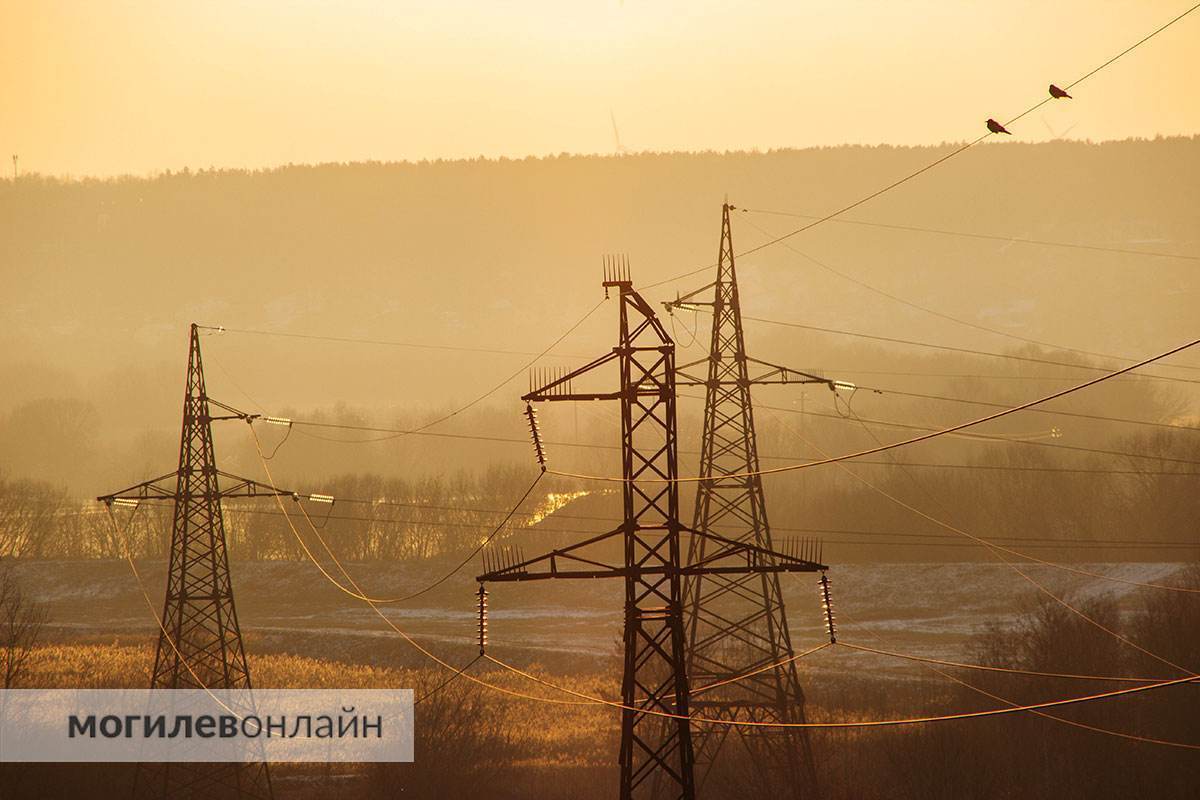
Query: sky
x=140 y=86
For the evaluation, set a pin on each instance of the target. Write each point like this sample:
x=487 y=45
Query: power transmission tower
x=736 y=623
x=200 y=643
x=656 y=756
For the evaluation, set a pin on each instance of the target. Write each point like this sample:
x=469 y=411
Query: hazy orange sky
x=98 y=88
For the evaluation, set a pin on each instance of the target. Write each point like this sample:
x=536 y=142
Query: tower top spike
x=616 y=271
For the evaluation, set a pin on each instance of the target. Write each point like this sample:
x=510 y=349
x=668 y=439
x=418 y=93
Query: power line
x=1004 y=549
x=997 y=552
x=759 y=670
x=588 y=699
x=597 y=446
x=1063 y=720
x=1006 y=670
x=1003 y=439
x=448 y=575
x=960 y=149
x=460 y=409
x=990 y=237
x=1073 y=723
x=392 y=343
x=525 y=367
x=1076 y=414
x=940 y=160
x=1015 y=708
x=857 y=723
x=951 y=318
x=540 y=527
x=964 y=375
x=924 y=437
x=358 y=594
x=968 y=545
x=952 y=349
x=1122 y=54
x=486 y=540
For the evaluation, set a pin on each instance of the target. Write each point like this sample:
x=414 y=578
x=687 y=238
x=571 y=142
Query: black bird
x=1058 y=93
x=996 y=127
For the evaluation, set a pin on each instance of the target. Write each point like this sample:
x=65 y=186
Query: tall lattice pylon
x=736 y=623
x=656 y=756
x=200 y=642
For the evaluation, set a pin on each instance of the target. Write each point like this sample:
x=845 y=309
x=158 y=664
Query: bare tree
x=21 y=622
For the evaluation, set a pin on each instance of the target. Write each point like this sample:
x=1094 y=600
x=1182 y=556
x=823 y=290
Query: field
x=301 y=632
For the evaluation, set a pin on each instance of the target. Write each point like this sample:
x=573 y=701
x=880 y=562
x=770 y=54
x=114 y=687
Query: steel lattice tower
x=656 y=755
x=200 y=643
x=737 y=623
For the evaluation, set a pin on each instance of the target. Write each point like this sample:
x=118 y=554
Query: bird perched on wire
x=1058 y=93
x=996 y=127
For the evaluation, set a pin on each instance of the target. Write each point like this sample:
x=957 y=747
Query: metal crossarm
x=772 y=374
x=152 y=490
x=575 y=561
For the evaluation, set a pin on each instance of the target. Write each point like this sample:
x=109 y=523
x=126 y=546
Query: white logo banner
x=176 y=725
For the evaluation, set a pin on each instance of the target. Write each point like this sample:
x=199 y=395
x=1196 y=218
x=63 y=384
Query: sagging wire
x=301 y=424
x=774 y=665
x=695 y=327
x=585 y=699
x=1073 y=723
x=1123 y=544
x=396 y=434
x=495 y=388
x=1095 y=729
x=877 y=723
x=391 y=343
x=357 y=593
x=852 y=389
x=324 y=499
x=990 y=544
x=1004 y=670
x=993 y=550
x=287 y=423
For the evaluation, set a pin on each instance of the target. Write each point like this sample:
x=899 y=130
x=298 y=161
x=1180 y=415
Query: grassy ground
x=558 y=743
x=477 y=743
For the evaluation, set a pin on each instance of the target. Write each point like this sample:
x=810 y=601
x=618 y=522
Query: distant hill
x=101 y=279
